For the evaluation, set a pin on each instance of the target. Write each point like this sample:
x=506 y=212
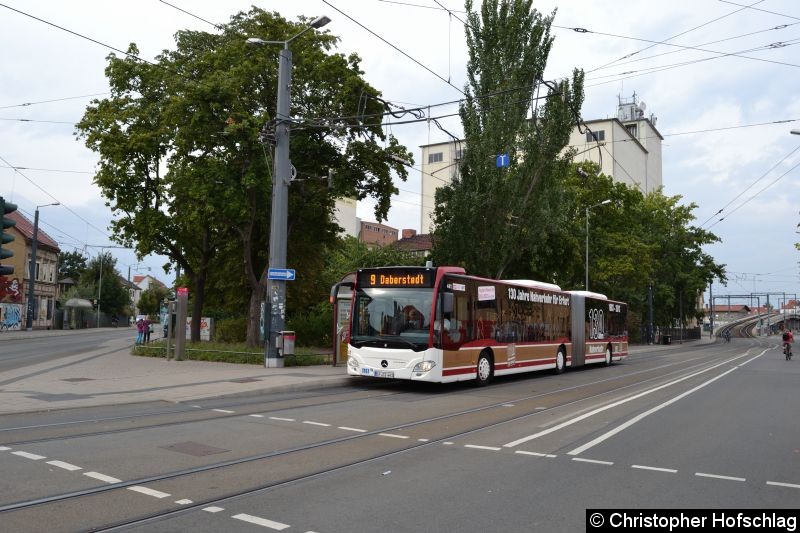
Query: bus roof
x=589 y=294
x=533 y=284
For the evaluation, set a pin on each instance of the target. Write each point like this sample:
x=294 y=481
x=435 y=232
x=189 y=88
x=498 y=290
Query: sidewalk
x=109 y=375
x=676 y=344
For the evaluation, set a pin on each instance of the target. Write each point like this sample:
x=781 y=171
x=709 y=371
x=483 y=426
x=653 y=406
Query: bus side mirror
x=447 y=303
x=335 y=289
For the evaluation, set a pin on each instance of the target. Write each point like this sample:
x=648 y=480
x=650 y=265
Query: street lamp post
x=281 y=176
x=586 y=286
x=32 y=268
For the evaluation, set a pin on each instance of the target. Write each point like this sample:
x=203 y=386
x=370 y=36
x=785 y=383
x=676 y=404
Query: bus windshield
x=389 y=316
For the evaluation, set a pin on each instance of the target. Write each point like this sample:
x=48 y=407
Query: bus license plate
x=384 y=374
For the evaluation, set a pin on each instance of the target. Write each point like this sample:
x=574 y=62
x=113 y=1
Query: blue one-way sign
x=286 y=274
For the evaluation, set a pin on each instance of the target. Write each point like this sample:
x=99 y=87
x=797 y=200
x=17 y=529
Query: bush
x=230 y=353
x=231 y=330
x=314 y=327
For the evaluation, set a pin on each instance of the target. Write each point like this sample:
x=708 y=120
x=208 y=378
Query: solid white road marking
x=282 y=419
x=595 y=461
x=223 y=411
x=641 y=416
x=616 y=404
x=27 y=455
x=392 y=435
x=655 y=469
x=213 y=509
x=102 y=477
x=476 y=447
x=536 y=454
x=715 y=476
x=779 y=484
x=260 y=521
x=353 y=429
x=184 y=502
x=316 y=423
x=65 y=466
x=149 y=492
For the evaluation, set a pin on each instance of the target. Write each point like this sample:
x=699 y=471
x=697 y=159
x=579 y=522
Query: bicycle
x=787 y=351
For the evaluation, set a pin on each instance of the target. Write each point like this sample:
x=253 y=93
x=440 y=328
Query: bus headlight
x=424 y=366
x=352 y=363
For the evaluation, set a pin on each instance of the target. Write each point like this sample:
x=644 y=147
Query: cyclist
x=788 y=339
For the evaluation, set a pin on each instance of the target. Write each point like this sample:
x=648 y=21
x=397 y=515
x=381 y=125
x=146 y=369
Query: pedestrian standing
x=148 y=329
x=139 y=330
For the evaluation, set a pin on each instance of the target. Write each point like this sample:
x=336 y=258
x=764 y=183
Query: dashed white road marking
x=424 y=440
x=223 y=411
x=612 y=406
x=27 y=455
x=353 y=429
x=4 y=448
x=257 y=416
x=594 y=461
x=392 y=435
x=716 y=476
x=260 y=521
x=65 y=466
x=102 y=477
x=282 y=419
x=213 y=509
x=476 y=447
x=311 y=423
x=149 y=492
x=779 y=484
x=655 y=469
x=184 y=502
x=536 y=454
x=448 y=443
x=508 y=405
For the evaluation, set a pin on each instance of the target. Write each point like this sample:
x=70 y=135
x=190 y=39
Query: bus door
x=342 y=300
x=578 y=329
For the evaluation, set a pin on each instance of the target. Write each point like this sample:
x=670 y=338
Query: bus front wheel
x=485 y=370
x=609 y=359
x=561 y=361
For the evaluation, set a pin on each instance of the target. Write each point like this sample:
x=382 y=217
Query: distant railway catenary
x=439 y=324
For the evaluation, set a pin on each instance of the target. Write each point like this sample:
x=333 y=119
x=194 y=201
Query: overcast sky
x=746 y=74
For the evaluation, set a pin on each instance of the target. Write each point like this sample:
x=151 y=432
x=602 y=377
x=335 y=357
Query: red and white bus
x=439 y=324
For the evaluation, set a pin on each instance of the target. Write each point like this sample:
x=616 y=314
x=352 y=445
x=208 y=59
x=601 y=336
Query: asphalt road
x=705 y=427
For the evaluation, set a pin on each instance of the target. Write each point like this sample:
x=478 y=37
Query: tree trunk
x=254 y=319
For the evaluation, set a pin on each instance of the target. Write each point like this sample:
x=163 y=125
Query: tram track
x=350 y=449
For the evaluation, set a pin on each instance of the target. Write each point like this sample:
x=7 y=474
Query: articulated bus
x=441 y=325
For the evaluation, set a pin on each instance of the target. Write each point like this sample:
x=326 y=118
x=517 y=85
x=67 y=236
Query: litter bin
x=666 y=339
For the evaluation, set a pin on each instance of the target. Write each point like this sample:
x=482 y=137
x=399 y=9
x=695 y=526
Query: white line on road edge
x=149 y=492
x=392 y=435
x=632 y=421
x=27 y=455
x=316 y=423
x=536 y=454
x=65 y=466
x=655 y=469
x=617 y=403
x=102 y=477
x=595 y=461
x=715 y=476
x=260 y=521
x=779 y=484
x=476 y=447
x=223 y=411
x=213 y=509
x=282 y=419
x=353 y=429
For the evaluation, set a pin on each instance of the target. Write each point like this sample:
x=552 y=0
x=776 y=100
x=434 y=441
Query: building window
x=631 y=129
x=438 y=157
x=595 y=136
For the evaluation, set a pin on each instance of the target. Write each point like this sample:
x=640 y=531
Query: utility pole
x=650 y=314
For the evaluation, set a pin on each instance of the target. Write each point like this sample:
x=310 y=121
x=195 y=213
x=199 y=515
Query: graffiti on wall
x=10 y=317
x=10 y=290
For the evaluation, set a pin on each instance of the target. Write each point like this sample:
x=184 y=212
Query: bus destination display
x=395 y=278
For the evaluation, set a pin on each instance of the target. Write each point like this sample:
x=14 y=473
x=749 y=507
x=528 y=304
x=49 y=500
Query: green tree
x=113 y=297
x=71 y=265
x=150 y=300
x=199 y=112
x=504 y=221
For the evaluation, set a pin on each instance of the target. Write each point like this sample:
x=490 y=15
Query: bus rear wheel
x=485 y=370
x=561 y=361
x=609 y=359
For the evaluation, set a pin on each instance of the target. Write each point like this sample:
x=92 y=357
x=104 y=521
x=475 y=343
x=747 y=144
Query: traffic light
x=6 y=237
